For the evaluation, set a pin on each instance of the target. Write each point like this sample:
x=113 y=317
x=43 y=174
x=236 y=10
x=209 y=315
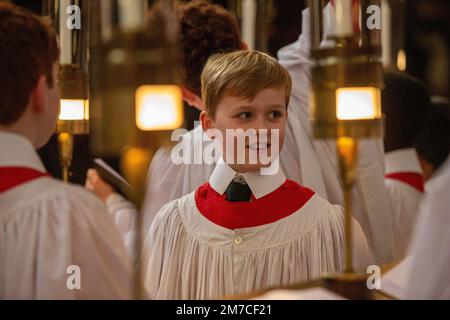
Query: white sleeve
x=164 y=184
x=124 y=215
x=404 y=203
x=430 y=262
x=295 y=59
x=371 y=205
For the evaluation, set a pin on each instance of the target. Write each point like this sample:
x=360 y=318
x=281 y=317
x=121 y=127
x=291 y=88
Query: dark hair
x=205 y=29
x=28 y=50
x=405 y=102
x=433 y=144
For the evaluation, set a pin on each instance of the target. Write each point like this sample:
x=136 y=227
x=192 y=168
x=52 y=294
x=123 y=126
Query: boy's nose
x=260 y=123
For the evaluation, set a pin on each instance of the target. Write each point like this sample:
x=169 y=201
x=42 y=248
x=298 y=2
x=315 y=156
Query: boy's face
x=51 y=96
x=265 y=116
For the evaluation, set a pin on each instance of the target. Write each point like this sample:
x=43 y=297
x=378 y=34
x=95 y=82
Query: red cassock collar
x=11 y=177
x=412 y=179
x=282 y=202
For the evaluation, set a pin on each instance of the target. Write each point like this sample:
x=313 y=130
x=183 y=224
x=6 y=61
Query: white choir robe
x=124 y=215
x=404 y=185
x=46 y=227
x=430 y=257
x=309 y=162
x=202 y=246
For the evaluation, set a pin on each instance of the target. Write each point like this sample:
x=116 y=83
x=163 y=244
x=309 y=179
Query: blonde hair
x=243 y=74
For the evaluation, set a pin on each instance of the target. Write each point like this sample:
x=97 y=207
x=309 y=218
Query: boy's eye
x=245 y=115
x=275 y=114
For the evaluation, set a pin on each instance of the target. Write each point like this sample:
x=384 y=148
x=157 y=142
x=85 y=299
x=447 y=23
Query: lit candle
x=357 y=103
x=65 y=41
x=249 y=22
x=131 y=14
x=343 y=17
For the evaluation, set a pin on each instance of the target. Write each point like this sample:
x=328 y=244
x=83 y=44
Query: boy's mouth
x=259 y=146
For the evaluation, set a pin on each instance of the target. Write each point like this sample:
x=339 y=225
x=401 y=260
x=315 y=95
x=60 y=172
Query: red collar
x=11 y=177
x=282 y=202
x=412 y=179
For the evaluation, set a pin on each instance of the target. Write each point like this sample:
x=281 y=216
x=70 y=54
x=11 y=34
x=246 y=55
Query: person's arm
x=371 y=204
x=165 y=182
x=123 y=212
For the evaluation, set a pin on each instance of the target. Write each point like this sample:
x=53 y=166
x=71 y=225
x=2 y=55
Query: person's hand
x=98 y=186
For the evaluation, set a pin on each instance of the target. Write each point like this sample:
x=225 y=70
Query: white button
x=238 y=240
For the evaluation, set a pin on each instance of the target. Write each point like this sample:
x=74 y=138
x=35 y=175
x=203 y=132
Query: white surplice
x=48 y=230
x=429 y=277
x=124 y=215
x=404 y=198
x=168 y=180
x=188 y=256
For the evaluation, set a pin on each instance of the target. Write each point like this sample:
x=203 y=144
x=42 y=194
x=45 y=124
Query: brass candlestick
x=346 y=104
x=134 y=94
x=73 y=75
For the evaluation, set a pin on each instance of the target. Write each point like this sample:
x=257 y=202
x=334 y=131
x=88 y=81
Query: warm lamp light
x=346 y=105
x=71 y=109
x=159 y=107
x=358 y=103
x=73 y=119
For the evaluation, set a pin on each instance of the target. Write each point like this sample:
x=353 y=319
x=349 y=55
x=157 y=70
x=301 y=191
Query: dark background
x=427 y=42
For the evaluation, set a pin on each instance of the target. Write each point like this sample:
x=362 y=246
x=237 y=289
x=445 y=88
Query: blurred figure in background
x=433 y=144
x=405 y=104
x=56 y=240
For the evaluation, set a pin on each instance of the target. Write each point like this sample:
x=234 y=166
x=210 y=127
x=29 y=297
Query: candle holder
x=135 y=99
x=73 y=75
x=346 y=106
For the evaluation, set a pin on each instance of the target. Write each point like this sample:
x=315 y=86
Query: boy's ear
x=38 y=95
x=192 y=99
x=244 y=45
x=206 y=121
x=427 y=168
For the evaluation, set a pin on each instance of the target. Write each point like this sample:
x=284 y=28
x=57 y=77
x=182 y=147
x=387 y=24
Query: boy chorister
x=304 y=160
x=56 y=240
x=406 y=105
x=247 y=228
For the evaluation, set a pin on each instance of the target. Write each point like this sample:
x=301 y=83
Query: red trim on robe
x=412 y=179
x=11 y=177
x=282 y=202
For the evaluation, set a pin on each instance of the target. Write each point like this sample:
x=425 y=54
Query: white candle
x=131 y=14
x=106 y=19
x=65 y=41
x=249 y=22
x=386 y=34
x=343 y=18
